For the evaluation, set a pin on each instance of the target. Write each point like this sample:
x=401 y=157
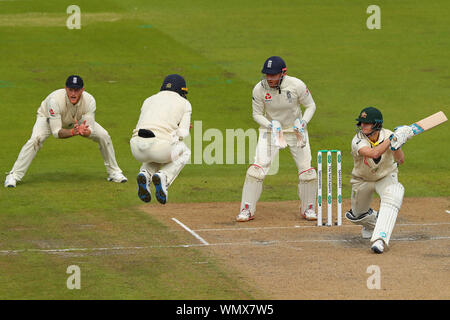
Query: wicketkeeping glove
x=300 y=131
x=277 y=135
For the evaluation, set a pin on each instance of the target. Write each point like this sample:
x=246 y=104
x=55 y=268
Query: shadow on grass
x=64 y=177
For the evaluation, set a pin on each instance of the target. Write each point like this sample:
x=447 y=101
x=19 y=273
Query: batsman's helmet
x=176 y=83
x=370 y=115
x=274 y=65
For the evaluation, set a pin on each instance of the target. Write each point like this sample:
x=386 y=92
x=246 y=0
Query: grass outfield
x=123 y=51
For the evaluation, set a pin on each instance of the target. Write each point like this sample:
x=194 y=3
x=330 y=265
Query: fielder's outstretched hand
x=83 y=129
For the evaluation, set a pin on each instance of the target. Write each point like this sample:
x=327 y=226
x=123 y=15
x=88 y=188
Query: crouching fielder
x=276 y=108
x=375 y=170
x=156 y=141
x=66 y=113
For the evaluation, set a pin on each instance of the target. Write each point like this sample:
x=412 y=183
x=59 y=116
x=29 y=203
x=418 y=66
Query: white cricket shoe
x=160 y=181
x=144 y=180
x=366 y=233
x=245 y=214
x=10 y=181
x=378 y=246
x=309 y=215
x=117 y=177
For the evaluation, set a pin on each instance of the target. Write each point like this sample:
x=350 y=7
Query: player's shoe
x=143 y=180
x=309 y=215
x=367 y=220
x=378 y=246
x=10 y=181
x=160 y=181
x=245 y=214
x=117 y=177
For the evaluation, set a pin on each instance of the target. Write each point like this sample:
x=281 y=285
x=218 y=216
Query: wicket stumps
x=329 y=187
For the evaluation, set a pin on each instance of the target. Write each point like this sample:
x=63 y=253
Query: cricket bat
x=428 y=123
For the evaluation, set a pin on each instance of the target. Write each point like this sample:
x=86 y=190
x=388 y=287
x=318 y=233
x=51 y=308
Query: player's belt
x=144 y=133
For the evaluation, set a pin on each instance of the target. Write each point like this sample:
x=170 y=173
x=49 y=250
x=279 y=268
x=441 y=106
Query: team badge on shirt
x=268 y=97
x=52 y=113
x=289 y=96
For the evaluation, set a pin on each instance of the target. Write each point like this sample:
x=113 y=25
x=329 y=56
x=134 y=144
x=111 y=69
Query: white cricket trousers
x=266 y=151
x=363 y=191
x=264 y=155
x=41 y=131
x=160 y=155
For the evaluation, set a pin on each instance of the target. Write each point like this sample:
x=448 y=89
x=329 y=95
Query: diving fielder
x=376 y=155
x=66 y=113
x=276 y=108
x=157 y=139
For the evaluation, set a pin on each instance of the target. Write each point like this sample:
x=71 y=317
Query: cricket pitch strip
x=286 y=257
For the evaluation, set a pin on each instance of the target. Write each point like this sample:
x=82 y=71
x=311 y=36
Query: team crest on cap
x=269 y=64
x=169 y=85
x=363 y=115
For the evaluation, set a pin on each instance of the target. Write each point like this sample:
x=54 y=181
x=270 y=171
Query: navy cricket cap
x=274 y=65
x=176 y=83
x=74 y=82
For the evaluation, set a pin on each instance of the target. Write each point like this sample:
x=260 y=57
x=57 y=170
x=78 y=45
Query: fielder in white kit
x=66 y=113
x=276 y=108
x=376 y=154
x=157 y=139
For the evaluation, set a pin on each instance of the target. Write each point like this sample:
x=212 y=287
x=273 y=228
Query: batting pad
x=391 y=202
x=307 y=192
x=251 y=192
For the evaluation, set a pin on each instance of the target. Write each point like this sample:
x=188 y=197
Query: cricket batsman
x=376 y=155
x=276 y=108
x=66 y=113
x=157 y=139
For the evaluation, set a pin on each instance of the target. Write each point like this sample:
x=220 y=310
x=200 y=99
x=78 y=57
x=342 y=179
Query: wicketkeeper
x=276 y=108
x=157 y=139
x=66 y=113
x=376 y=155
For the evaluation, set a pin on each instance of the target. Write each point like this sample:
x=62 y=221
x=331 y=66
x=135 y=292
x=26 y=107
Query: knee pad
x=307 y=175
x=393 y=195
x=256 y=172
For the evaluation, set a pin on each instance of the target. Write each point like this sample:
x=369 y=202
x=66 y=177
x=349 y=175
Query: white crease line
x=191 y=232
x=220 y=244
x=314 y=226
x=99 y=249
